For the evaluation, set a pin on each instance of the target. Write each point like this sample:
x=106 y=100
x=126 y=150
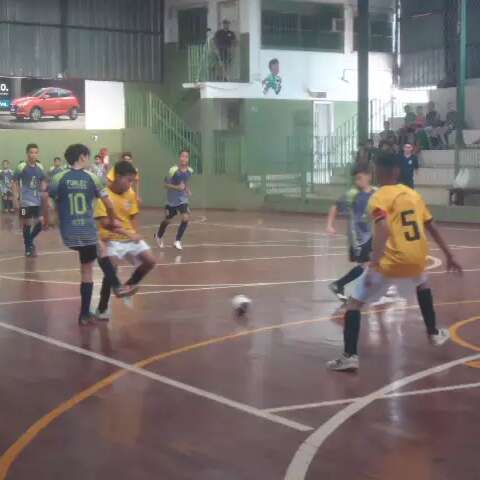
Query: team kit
x=98 y=218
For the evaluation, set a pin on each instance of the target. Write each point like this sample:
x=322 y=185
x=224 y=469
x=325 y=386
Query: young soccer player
x=128 y=157
x=399 y=255
x=29 y=195
x=74 y=191
x=178 y=193
x=354 y=203
x=56 y=168
x=122 y=242
x=6 y=180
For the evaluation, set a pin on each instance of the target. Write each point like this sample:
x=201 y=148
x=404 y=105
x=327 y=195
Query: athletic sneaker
x=344 y=363
x=125 y=291
x=178 y=245
x=103 y=316
x=440 y=338
x=158 y=240
x=34 y=251
x=338 y=292
x=86 y=320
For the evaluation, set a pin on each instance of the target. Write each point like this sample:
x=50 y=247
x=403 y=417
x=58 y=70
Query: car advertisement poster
x=30 y=103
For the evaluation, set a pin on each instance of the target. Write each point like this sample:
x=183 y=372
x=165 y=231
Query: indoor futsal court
x=176 y=387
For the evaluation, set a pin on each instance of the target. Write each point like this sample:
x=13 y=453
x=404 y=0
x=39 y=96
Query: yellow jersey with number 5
x=406 y=214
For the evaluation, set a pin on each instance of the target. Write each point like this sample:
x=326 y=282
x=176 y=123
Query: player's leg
x=103 y=312
x=437 y=336
x=371 y=286
x=36 y=228
x=182 y=227
x=88 y=255
x=26 y=224
x=147 y=264
x=170 y=213
x=5 y=203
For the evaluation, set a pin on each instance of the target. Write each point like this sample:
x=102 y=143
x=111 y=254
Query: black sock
x=351 y=331
x=425 y=301
x=109 y=271
x=138 y=275
x=26 y=235
x=35 y=231
x=86 y=290
x=104 y=296
x=181 y=230
x=162 y=228
x=352 y=275
x=5 y=204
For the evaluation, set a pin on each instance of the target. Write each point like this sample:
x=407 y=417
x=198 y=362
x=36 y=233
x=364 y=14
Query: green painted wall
x=268 y=127
x=53 y=143
x=343 y=111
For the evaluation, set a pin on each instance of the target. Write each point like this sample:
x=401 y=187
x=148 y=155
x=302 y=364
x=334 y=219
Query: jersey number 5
x=414 y=232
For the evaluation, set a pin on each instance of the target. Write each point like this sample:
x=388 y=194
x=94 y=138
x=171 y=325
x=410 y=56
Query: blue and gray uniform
x=74 y=192
x=29 y=178
x=6 y=179
x=54 y=171
x=176 y=177
x=354 y=203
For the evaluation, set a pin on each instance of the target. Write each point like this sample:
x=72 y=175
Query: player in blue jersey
x=30 y=197
x=74 y=191
x=55 y=168
x=354 y=204
x=178 y=195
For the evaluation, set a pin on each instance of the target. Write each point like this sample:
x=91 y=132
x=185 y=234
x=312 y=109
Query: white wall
x=104 y=105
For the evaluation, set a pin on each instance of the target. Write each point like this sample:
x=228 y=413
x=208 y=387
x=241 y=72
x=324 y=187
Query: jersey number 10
x=413 y=232
x=78 y=203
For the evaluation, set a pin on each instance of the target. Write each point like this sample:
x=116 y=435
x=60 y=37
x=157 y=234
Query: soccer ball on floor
x=241 y=304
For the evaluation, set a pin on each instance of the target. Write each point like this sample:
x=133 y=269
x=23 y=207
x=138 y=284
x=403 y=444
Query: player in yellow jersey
x=401 y=220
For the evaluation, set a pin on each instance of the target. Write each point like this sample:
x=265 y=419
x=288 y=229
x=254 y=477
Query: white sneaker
x=178 y=245
x=440 y=338
x=159 y=241
x=103 y=316
x=344 y=363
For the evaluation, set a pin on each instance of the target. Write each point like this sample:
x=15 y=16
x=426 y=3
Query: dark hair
x=30 y=146
x=184 y=150
x=388 y=161
x=3 y=161
x=123 y=168
x=127 y=154
x=97 y=156
x=273 y=61
x=73 y=153
x=57 y=158
x=361 y=168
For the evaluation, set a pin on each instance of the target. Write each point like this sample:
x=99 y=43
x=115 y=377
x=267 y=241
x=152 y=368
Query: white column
x=349 y=21
x=255 y=30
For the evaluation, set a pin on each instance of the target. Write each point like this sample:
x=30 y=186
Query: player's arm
x=381 y=233
x=452 y=265
x=332 y=215
x=110 y=218
x=134 y=237
x=44 y=200
x=170 y=186
x=16 y=194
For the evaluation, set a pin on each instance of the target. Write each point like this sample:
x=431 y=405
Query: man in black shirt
x=409 y=165
x=224 y=41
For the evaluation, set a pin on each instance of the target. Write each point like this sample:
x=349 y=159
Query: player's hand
x=182 y=187
x=188 y=191
x=135 y=237
x=454 y=266
x=330 y=230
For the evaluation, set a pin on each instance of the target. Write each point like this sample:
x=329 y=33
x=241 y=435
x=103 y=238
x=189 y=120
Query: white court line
x=197 y=262
x=162 y=379
x=344 y=401
x=300 y=464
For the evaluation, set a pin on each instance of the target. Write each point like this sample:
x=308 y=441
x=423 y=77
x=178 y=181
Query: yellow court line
x=455 y=336
x=14 y=451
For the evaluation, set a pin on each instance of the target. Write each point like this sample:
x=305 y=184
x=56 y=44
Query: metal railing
x=206 y=65
x=145 y=110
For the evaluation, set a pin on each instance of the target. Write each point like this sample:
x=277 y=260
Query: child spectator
x=6 y=180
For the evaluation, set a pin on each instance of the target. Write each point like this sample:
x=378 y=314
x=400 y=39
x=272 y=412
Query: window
x=192 y=27
x=381 y=33
x=64 y=93
x=302 y=25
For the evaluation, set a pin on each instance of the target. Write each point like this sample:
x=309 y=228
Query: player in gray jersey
x=30 y=197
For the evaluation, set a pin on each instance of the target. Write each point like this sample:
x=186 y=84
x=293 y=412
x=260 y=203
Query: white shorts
x=127 y=250
x=372 y=286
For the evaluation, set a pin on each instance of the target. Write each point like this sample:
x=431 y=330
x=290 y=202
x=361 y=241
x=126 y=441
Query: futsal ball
x=241 y=304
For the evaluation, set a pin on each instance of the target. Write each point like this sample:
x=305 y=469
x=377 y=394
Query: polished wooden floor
x=177 y=388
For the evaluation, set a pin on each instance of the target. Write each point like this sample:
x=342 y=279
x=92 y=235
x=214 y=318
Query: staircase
x=146 y=110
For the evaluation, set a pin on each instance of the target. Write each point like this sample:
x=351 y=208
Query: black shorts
x=362 y=254
x=173 y=211
x=87 y=253
x=29 y=212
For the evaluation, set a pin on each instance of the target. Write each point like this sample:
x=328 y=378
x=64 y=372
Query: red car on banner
x=46 y=102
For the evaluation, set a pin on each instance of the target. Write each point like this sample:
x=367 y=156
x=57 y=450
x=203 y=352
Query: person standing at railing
x=225 y=40
x=408 y=166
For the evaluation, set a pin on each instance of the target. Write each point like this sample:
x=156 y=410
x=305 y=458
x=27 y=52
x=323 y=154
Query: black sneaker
x=338 y=292
x=86 y=320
